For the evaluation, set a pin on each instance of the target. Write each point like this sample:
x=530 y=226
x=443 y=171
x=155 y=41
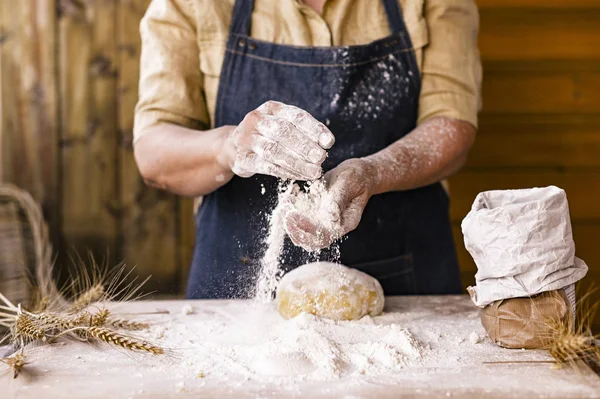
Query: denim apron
x=368 y=96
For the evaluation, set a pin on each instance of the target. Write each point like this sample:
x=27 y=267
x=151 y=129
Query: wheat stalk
x=26 y=329
x=567 y=346
x=49 y=319
x=91 y=295
x=16 y=363
x=54 y=321
x=568 y=343
x=124 y=341
x=123 y=324
x=100 y=318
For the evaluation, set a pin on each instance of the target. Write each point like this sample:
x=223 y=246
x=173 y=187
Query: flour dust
x=266 y=348
x=270 y=271
x=316 y=204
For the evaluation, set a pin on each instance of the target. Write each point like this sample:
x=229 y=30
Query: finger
x=288 y=198
x=276 y=154
x=317 y=131
x=291 y=137
x=241 y=172
x=341 y=194
x=251 y=163
x=351 y=218
x=305 y=233
x=333 y=210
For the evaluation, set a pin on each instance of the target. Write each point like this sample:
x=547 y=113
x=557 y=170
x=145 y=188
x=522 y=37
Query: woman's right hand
x=279 y=140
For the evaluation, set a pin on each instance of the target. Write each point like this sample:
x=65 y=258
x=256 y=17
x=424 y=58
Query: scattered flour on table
x=187 y=309
x=260 y=346
x=237 y=349
x=474 y=338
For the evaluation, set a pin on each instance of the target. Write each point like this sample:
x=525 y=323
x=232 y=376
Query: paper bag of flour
x=522 y=244
x=523 y=322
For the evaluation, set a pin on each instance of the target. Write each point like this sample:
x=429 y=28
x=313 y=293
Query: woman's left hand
x=350 y=185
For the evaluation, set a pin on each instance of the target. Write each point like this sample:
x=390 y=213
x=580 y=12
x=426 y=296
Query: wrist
x=373 y=174
x=224 y=149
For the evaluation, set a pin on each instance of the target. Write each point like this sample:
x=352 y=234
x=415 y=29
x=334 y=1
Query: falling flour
x=270 y=271
x=316 y=204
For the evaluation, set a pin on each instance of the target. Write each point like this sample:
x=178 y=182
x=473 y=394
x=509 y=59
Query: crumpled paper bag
x=522 y=322
x=522 y=244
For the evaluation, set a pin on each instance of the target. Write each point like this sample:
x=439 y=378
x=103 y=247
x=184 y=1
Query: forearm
x=432 y=152
x=184 y=161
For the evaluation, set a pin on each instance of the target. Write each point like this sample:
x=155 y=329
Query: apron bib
x=368 y=96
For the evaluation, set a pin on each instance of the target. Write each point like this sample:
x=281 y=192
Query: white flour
x=316 y=205
x=418 y=347
x=258 y=345
x=270 y=271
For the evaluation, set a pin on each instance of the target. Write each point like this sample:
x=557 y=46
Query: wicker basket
x=25 y=251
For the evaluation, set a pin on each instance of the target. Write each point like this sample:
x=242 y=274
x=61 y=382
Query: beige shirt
x=183 y=45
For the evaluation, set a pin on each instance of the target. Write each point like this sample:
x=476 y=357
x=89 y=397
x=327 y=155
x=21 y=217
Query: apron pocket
x=396 y=275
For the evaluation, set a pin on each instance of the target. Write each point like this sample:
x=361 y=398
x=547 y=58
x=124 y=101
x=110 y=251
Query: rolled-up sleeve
x=171 y=84
x=451 y=71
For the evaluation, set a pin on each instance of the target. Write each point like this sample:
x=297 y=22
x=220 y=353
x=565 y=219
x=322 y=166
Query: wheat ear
x=109 y=336
x=54 y=321
x=26 y=328
x=91 y=295
x=99 y=319
x=16 y=363
x=568 y=342
x=123 y=324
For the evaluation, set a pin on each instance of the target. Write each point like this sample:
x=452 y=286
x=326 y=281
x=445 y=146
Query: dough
x=329 y=290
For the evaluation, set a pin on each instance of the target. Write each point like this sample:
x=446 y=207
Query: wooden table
x=453 y=366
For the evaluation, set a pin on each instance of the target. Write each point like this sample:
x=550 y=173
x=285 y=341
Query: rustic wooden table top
x=452 y=366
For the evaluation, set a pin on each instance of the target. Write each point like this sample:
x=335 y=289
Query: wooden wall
x=69 y=75
x=540 y=123
x=68 y=78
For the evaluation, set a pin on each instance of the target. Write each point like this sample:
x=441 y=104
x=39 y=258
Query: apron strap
x=394 y=16
x=241 y=17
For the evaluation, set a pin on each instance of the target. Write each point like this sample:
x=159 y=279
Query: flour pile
x=236 y=349
x=258 y=345
x=316 y=205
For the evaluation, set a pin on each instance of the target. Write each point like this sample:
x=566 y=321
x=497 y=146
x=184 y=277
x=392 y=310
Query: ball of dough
x=329 y=290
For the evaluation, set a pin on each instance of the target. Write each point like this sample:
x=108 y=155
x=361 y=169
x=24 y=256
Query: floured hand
x=349 y=187
x=279 y=140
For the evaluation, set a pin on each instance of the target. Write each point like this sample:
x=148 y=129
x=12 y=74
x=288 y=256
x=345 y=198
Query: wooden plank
x=582 y=187
x=568 y=4
x=9 y=110
x=88 y=93
x=541 y=66
x=553 y=141
x=541 y=92
x=28 y=99
x=150 y=233
x=3 y=39
x=187 y=229
x=539 y=33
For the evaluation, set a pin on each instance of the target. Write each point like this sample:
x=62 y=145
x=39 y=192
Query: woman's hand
x=349 y=186
x=279 y=140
